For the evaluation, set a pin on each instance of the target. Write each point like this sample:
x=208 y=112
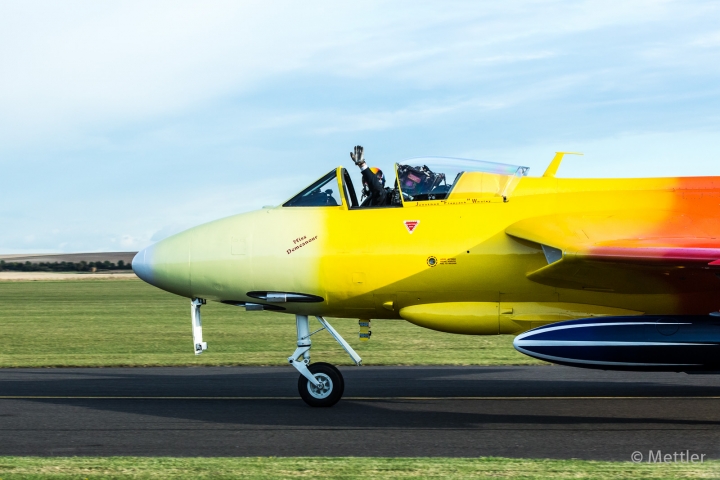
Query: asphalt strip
x=440 y=411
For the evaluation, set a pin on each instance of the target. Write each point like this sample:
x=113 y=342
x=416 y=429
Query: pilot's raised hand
x=358 y=156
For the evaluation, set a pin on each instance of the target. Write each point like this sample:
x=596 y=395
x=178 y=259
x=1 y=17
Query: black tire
x=326 y=398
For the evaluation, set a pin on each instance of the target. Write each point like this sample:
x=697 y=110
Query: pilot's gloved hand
x=358 y=157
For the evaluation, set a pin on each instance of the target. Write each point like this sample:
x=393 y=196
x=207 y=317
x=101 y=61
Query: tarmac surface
x=531 y=412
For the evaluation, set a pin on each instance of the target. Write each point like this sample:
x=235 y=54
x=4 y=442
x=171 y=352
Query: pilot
x=373 y=182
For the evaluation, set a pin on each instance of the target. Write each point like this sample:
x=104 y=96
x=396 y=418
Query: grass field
x=129 y=323
x=345 y=468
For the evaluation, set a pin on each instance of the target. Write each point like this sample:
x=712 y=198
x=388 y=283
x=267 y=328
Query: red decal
x=411 y=224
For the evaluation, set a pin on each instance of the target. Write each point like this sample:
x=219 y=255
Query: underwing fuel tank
x=644 y=343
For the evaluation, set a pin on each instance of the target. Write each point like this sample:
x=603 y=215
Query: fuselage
x=378 y=263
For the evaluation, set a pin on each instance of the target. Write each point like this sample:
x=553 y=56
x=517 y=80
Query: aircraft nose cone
x=166 y=264
x=142 y=265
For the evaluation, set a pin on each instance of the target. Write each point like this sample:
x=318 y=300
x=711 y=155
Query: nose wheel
x=331 y=387
x=320 y=384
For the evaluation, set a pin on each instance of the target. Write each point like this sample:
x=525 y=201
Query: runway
x=531 y=412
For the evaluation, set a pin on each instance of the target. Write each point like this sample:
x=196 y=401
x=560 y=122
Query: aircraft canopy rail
x=445 y=178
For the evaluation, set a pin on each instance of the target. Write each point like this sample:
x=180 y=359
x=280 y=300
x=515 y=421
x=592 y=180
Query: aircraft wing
x=625 y=252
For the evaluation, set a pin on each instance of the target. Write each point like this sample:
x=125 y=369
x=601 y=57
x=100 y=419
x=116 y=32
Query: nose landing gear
x=320 y=384
x=330 y=389
x=198 y=343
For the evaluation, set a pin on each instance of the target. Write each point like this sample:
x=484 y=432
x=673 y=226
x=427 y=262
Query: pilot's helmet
x=379 y=174
x=410 y=181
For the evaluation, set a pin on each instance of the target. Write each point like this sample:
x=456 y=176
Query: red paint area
x=411 y=224
x=686 y=236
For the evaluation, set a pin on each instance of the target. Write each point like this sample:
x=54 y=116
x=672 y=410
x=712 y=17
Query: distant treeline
x=63 y=266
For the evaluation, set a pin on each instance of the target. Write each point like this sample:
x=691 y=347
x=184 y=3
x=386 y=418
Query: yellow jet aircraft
x=473 y=248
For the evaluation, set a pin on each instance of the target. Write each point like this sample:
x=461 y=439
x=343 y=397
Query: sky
x=124 y=122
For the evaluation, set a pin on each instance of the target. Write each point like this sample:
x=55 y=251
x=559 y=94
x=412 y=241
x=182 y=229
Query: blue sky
x=124 y=122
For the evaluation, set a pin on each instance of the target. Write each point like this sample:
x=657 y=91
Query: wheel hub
x=324 y=389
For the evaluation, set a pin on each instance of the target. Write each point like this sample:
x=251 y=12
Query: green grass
x=129 y=323
x=345 y=468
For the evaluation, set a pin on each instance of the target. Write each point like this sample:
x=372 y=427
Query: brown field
x=70 y=257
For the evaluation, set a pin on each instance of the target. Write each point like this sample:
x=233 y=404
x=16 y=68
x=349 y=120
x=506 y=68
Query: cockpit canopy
x=421 y=179
x=322 y=193
x=441 y=178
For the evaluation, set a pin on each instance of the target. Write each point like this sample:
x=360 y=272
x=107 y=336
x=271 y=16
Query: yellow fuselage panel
x=376 y=262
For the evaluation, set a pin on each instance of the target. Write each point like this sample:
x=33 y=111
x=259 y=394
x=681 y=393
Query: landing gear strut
x=198 y=343
x=320 y=384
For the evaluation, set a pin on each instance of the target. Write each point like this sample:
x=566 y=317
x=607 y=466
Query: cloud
x=81 y=62
x=124 y=122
